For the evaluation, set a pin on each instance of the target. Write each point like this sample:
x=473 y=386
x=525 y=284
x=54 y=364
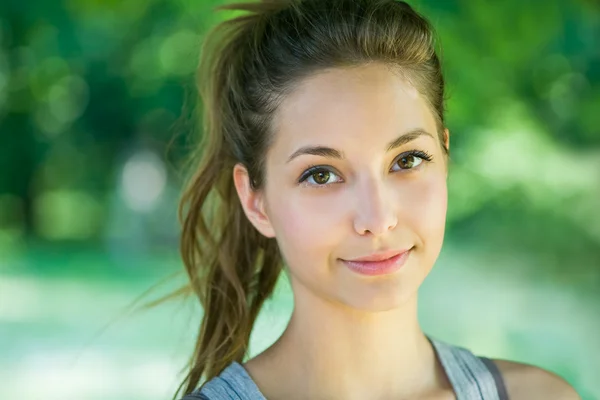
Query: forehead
x=361 y=105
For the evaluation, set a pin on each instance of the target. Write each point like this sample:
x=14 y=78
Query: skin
x=352 y=336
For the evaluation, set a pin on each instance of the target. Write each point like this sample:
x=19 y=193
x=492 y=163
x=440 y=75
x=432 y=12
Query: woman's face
x=361 y=196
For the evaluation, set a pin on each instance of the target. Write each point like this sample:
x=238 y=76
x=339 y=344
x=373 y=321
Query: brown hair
x=247 y=65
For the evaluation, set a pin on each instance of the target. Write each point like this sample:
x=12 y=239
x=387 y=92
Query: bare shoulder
x=524 y=381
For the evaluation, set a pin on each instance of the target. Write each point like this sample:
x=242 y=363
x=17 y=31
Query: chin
x=384 y=300
x=380 y=293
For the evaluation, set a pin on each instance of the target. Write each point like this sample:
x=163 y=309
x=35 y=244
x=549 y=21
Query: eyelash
x=313 y=169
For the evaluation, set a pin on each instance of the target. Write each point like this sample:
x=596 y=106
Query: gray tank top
x=471 y=377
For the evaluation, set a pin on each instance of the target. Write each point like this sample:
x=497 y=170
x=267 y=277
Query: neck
x=331 y=351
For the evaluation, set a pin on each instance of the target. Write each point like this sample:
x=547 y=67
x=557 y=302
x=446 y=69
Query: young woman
x=325 y=154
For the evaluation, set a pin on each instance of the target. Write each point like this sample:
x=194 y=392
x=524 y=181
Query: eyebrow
x=329 y=152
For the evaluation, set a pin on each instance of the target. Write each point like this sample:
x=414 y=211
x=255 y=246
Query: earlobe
x=252 y=201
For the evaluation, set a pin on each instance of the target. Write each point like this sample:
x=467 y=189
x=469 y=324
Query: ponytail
x=231 y=267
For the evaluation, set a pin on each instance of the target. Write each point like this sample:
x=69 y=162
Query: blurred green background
x=90 y=95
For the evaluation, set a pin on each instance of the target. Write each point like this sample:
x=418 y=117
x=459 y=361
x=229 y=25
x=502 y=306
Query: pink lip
x=378 y=264
x=384 y=255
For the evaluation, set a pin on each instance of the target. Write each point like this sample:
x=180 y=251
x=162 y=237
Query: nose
x=375 y=210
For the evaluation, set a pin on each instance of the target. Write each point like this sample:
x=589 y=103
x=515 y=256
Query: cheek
x=306 y=228
x=427 y=211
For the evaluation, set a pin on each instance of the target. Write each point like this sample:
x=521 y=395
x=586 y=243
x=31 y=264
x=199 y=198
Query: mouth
x=382 y=263
x=380 y=256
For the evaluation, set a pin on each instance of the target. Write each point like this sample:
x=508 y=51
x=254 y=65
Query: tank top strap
x=471 y=377
x=233 y=383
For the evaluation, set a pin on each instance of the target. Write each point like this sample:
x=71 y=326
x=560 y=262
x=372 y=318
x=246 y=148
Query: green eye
x=321 y=177
x=411 y=159
x=317 y=176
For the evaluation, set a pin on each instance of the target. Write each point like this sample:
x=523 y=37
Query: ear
x=253 y=201
x=447 y=139
x=447 y=146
